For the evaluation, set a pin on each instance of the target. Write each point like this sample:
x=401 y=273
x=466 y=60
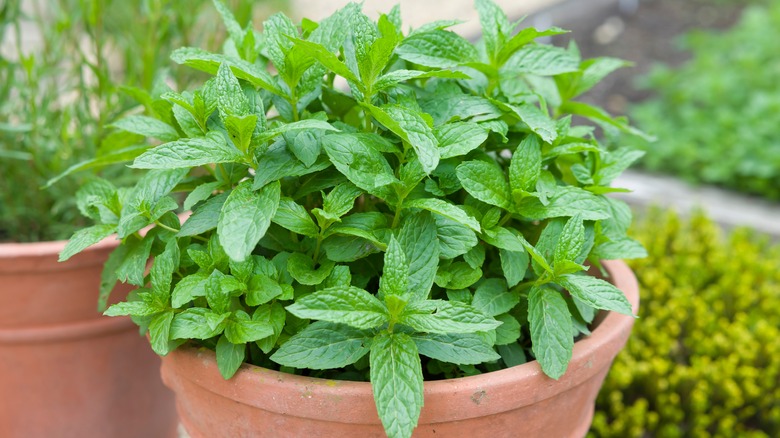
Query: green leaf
x=460 y=349
x=514 y=264
x=279 y=31
x=445 y=209
x=492 y=297
x=84 y=238
x=446 y=317
x=509 y=330
x=341 y=304
x=600 y=116
x=455 y=239
x=365 y=225
x=210 y=62
x=189 y=152
x=200 y=193
x=231 y=99
x=512 y=354
x=397 y=383
x=526 y=164
x=229 y=357
x=132 y=308
x=197 y=323
x=360 y=163
x=542 y=60
x=458 y=275
x=596 y=292
x=418 y=238
x=159 y=332
x=395 y=273
x=614 y=163
x=233 y=28
x=241 y=129
x=411 y=127
x=396 y=77
x=147 y=126
x=484 y=181
x=594 y=70
x=619 y=249
x=131 y=269
x=161 y=273
x=262 y=289
x=205 y=217
x=274 y=314
x=571 y=240
x=323 y=345
x=341 y=199
x=327 y=59
x=566 y=201
x=294 y=217
x=301 y=267
x=524 y=37
x=240 y=328
x=245 y=218
x=305 y=145
x=551 y=330
x=495 y=26
x=537 y=120
x=437 y=49
x=218 y=298
x=307 y=124
x=459 y=138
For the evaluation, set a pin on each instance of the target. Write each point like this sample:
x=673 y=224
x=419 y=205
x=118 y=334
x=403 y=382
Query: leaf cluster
x=717 y=115
x=704 y=361
x=361 y=197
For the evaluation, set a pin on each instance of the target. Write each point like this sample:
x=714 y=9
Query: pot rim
x=517 y=386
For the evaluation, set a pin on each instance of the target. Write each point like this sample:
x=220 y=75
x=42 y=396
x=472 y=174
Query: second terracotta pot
x=515 y=402
x=66 y=370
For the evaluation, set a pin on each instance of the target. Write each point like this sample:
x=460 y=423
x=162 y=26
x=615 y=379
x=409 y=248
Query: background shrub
x=717 y=117
x=704 y=357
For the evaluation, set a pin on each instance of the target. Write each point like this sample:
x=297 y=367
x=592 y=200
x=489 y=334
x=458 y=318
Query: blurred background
x=704 y=358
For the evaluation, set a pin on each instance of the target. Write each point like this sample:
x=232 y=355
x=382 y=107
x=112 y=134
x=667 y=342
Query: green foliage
x=716 y=117
x=703 y=361
x=360 y=230
x=60 y=92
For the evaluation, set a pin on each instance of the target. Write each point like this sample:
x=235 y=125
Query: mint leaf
x=275 y=315
x=323 y=345
x=566 y=201
x=437 y=49
x=412 y=128
x=492 y=297
x=240 y=328
x=84 y=238
x=200 y=193
x=205 y=217
x=445 y=209
x=459 y=138
x=395 y=273
x=294 y=217
x=395 y=77
x=197 y=323
x=229 y=357
x=397 y=383
x=461 y=349
x=571 y=240
x=159 y=332
x=538 y=121
x=484 y=181
x=361 y=164
x=446 y=317
x=594 y=70
x=132 y=308
x=514 y=264
x=542 y=60
x=189 y=152
x=551 y=330
x=455 y=239
x=509 y=330
x=231 y=99
x=526 y=164
x=495 y=26
x=161 y=273
x=262 y=289
x=341 y=199
x=210 y=62
x=596 y=292
x=341 y=304
x=327 y=59
x=245 y=217
x=418 y=238
x=147 y=126
x=301 y=267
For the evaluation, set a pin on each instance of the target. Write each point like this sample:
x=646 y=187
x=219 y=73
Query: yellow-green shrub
x=704 y=357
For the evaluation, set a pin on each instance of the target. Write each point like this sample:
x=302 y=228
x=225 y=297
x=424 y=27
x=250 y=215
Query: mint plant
x=432 y=217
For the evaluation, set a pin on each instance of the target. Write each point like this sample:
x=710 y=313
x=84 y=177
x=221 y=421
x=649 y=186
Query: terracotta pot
x=515 y=402
x=66 y=370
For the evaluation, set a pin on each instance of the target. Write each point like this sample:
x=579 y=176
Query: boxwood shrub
x=704 y=357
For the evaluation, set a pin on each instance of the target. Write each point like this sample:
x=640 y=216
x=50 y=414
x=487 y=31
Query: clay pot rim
x=48 y=248
x=252 y=384
x=62 y=332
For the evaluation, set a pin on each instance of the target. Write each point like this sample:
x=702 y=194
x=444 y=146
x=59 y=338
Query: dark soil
x=644 y=32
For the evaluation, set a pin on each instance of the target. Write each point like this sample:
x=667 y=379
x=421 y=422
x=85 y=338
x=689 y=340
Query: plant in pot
x=367 y=205
x=66 y=370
